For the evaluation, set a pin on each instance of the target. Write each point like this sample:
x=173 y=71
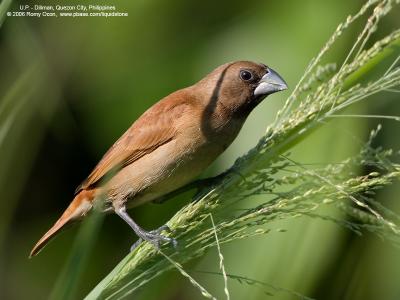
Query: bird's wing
x=152 y=130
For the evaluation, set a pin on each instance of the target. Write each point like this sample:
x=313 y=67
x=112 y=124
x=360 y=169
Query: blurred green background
x=70 y=87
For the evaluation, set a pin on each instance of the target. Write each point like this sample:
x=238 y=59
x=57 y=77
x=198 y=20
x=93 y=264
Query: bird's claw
x=161 y=229
x=155 y=237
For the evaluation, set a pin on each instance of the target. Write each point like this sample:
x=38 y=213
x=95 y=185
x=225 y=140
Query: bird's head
x=240 y=86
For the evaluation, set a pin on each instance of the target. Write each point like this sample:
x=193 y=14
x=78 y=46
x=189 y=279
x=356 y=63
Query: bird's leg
x=197 y=184
x=154 y=237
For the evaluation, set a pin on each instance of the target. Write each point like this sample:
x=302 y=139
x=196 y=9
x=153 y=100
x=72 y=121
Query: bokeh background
x=70 y=87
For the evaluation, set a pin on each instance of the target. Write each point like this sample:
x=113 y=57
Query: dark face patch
x=238 y=85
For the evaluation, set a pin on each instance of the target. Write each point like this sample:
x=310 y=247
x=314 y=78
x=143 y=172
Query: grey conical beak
x=270 y=83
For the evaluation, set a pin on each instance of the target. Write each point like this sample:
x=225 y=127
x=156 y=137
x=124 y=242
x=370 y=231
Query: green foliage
x=4 y=5
x=287 y=188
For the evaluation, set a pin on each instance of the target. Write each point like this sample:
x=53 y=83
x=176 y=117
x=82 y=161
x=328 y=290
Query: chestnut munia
x=171 y=144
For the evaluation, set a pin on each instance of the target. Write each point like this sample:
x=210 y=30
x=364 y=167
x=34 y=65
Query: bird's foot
x=155 y=237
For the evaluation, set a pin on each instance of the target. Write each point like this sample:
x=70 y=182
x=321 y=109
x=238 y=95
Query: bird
x=170 y=145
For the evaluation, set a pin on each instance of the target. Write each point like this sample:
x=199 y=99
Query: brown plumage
x=171 y=144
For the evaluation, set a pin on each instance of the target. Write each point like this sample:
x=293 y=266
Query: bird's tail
x=78 y=208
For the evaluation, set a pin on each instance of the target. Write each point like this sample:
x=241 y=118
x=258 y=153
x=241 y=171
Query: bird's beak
x=270 y=83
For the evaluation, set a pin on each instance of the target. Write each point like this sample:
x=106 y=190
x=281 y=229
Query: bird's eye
x=246 y=75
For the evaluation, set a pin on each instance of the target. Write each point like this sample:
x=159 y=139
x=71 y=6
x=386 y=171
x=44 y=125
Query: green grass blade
x=4 y=6
x=68 y=279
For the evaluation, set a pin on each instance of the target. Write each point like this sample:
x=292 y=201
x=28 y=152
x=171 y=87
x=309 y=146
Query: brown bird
x=171 y=144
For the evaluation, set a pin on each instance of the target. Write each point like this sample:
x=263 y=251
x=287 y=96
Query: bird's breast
x=170 y=166
x=162 y=171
